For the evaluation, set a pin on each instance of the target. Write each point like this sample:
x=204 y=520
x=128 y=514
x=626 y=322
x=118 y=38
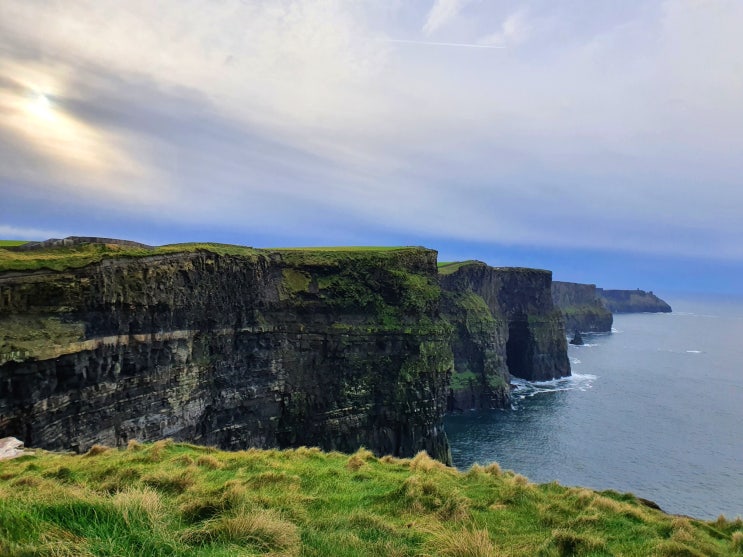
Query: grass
x=179 y=499
x=12 y=243
x=450 y=267
x=60 y=258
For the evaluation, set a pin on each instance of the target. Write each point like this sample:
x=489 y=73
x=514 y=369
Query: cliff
x=505 y=324
x=223 y=345
x=582 y=307
x=633 y=301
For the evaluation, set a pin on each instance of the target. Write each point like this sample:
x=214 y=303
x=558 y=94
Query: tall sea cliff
x=582 y=306
x=104 y=341
x=505 y=324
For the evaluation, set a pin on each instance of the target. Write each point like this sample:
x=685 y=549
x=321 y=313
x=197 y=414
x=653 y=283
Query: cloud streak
x=441 y=13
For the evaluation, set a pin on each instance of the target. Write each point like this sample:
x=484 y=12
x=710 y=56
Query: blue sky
x=601 y=139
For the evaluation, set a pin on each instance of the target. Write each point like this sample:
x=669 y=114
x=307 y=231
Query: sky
x=602 y=140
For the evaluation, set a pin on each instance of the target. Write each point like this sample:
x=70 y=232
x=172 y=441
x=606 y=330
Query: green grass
x=449 y=267
x=12 y=243
x=340 y=248
x=178 y=499
x=70 y=257
x=59 y=258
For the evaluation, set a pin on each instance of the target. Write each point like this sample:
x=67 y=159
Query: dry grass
x=421 y=462
x=208 y=461
x=355 y=462
x=96 y=450
x=569 y=542
x=264 y=529
x=461 y=543
x=139 y=501
x=736 y=541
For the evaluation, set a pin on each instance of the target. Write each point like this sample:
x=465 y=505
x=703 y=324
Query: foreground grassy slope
x=176 y=499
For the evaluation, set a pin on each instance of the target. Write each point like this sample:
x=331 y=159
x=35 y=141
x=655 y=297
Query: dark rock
x=583 y=308
x=269 y=349
x=577 y=339
x=633 y=301
x=513 y=329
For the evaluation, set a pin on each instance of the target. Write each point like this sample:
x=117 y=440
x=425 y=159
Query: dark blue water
x=654 y=408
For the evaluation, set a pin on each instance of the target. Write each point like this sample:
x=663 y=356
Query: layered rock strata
x=505 y=324
x=582 y=307
x=229 y=347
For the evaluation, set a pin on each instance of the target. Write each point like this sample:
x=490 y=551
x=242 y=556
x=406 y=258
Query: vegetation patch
x=178 y=499
x=60 y=258
x=450 y=267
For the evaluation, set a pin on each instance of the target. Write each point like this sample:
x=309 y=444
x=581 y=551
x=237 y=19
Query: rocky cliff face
x=633 y=301
x=583 y=309
x=505 y=323
x=230 y=348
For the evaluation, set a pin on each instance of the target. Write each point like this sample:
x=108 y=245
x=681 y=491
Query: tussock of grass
x=737 y=541
x=209 y=461
x=176 y=499
x=462 y=543
x=96 y=450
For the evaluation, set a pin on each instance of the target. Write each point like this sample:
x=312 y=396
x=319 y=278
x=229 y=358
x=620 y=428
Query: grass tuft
x=421 y=462
x=208 y=461
x=462 y=543
x=264 y=530
x=96 y=450
x=736 y=541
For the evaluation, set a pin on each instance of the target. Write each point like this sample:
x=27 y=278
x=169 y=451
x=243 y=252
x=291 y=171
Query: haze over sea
x=654 y=408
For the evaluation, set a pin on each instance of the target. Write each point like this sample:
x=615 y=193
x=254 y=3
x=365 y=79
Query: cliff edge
x=633 y=301
x=223 y=345
x=505 y=325
x=582 y=307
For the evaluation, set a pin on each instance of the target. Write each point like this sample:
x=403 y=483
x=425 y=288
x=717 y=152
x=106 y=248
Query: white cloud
x=441 y=13
x=515 y=30
x=21 y=233
x=612 y=129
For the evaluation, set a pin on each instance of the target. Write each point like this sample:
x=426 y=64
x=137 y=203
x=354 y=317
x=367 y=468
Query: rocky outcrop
x=10 y=447
x=235 y=348
x=505 y=324
x=582 y=307
x=633 y=301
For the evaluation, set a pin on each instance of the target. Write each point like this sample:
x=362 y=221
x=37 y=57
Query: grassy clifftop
x=76 y=255
x=177 y=499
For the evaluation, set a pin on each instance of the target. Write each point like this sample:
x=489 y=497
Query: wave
x=693 y=351
x=574 y=361
x=576 y=382
x=614 y=330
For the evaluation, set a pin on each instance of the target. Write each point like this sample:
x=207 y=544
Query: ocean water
x=654 y=408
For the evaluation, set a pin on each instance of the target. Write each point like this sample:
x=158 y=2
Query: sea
x=654 y=408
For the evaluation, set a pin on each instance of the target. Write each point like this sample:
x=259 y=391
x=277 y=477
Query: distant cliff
x=505 y=324
x=582 y=307
x=633 y=301
x=223 y=345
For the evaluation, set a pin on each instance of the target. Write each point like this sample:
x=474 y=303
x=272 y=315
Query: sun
x=40 y=106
